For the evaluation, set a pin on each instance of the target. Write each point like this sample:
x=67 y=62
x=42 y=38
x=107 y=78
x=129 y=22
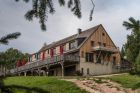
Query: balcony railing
x=108 y=49
x=39 y=63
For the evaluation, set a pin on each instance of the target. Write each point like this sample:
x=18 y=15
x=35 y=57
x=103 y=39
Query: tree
x=41 y=9
x=132 y=46
x=138 y=64
x=133 y=40
x=10 y=57
x=122 y=52
x=5 y=39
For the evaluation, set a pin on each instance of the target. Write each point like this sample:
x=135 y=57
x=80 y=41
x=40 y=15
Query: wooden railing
x=39 y=63
x=107 y=48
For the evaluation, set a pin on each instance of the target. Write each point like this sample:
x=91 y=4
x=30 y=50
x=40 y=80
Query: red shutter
x=23 y=62
x=18 y=64
x=61 y=50
x=43 y=55
x=51 y=53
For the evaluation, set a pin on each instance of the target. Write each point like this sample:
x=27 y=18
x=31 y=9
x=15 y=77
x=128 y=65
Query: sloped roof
x=85 y=34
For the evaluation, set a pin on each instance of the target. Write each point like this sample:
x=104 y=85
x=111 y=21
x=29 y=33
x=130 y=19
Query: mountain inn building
x=89 y=52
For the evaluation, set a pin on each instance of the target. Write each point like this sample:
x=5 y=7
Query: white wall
x=96 y=68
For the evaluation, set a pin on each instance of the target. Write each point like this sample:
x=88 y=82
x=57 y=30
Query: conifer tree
x=41 y=9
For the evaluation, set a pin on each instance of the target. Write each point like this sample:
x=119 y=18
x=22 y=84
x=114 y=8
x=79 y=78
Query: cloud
x=110 y=13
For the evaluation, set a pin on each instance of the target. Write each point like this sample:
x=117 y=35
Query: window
x=98 y=58
x=103 y=34
x=48 y=51
x=72 y=45
x=61 y=49
x=64 y=47
x=92 y=43
x=30 y=59
x=104 y=44
x=82 y=70
x=114 y=60
x=99 y=43
x=36 y=56
x=54 y=51
x=82 y=54
x=89 y=57
x=108 y=58
x=87 y=71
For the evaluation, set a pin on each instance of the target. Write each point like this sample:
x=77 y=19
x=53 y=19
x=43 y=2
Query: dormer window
x=72 y=45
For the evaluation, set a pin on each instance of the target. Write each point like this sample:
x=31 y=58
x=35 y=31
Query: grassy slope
x=128 y=81
x=52 y=85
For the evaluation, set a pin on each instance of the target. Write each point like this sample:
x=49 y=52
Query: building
x=90 y=52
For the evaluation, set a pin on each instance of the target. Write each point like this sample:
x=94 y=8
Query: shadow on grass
x=10 y=88
x=136 y=86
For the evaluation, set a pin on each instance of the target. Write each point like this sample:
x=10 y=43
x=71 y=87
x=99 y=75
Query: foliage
x=5 y=39
x=10 y=57
x=50 y=84
x=122 y=52
x=132 y=47
x=138 y=64
x=41 y=9
x=127 y=80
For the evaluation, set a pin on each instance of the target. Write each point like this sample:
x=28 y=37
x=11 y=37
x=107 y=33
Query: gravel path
x=96 y=85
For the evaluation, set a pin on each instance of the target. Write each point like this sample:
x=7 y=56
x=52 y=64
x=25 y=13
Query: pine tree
x=133 y=40
x=5 y=39
x=122 y=52
x=41 y=9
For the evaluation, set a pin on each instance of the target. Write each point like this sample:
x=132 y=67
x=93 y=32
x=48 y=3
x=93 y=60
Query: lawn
x=127 y=80
x=50 y=84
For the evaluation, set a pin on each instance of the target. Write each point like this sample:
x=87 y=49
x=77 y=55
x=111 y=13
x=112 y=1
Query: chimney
x=79 y=30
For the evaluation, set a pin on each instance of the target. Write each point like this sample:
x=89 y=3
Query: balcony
x=49 y=61
x=106 y=49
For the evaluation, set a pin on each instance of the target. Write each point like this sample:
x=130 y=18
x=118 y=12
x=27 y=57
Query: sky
x=109 y=13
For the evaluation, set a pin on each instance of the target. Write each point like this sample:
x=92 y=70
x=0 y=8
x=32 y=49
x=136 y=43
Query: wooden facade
x=87 y=52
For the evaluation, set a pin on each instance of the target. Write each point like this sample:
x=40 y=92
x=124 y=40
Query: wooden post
x=47 y=70
x=62 y=65
x=39 y=71
x=25 y=73
x=32 y=72
x=18 y=74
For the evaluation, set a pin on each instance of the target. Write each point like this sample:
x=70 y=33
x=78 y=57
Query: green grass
x=50 y=84
x=127 y=80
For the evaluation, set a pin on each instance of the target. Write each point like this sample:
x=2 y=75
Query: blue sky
x=110 y=13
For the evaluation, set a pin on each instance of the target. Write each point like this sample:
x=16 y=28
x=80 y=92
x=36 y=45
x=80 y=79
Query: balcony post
x=62 y=65
x=47 y=70
x=31 y=72
x=39 y=71
x=18 y=74
x=25 y=73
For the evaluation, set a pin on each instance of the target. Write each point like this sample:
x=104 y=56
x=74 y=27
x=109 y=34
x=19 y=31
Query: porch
x=57 y=66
